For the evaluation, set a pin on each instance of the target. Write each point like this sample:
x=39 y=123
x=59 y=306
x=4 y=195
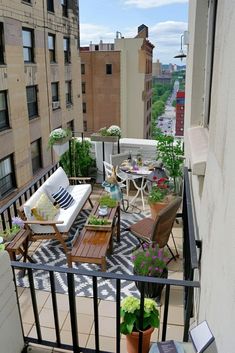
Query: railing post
x=72 y=309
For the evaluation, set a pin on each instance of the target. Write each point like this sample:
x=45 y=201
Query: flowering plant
x=113 y=130
x=57 y=135
x=9 y=233
x=150 y=261
x=130 y=314
x=159 y=191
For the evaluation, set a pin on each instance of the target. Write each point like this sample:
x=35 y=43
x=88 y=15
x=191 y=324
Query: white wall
x=214 y=194
x=11 y=337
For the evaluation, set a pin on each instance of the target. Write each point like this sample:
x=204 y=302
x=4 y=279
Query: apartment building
x=209 y=147
x=179 y=110
x=40 y=89
x=117 y=85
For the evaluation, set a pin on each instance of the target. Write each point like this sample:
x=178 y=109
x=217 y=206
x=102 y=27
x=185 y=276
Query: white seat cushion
x=80 y=194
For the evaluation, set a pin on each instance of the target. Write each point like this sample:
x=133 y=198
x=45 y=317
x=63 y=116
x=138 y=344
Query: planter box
x=62 y=146
x=101 y=227
x=99 y=138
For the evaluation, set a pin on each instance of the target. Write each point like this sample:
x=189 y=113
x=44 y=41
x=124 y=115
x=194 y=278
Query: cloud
x=164 y=35
x=147 y=4
x=94 y=33
x=166 y=38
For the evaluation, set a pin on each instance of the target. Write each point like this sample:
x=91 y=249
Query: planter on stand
x=103 y=148
x=132 y=341
x=62 y=146
x=153 y=290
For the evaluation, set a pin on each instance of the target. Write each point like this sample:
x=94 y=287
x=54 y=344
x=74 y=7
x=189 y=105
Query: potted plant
x=150 y=261
x=158 y=197
x=170 y=152
x=59 y=140
x=130 y=325
x=9 y=233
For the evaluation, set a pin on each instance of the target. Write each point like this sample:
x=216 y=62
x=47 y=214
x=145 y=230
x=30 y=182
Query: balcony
x=78 y=323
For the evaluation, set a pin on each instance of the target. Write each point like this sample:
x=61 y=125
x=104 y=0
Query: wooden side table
x=20 y=243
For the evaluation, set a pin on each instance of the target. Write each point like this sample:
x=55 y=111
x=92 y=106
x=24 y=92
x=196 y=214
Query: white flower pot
x=61 y=148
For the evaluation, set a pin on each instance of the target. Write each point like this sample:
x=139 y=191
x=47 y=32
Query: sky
x=166 y=20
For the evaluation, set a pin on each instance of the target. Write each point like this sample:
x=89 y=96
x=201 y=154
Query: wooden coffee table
x=92 y=245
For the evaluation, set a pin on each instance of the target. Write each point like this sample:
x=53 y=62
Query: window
x=83 y=69
x=4 y=120
x=55 y=95
x=108 y=69
x=7 y=175
x=28 y=1
x=83 y=87
x=36 y=155
x=32 y=103
x=68 y=92
x=64 y=4
x=84 y=107
x=70 y=125
x=66 y=50
x=28 y=44
x=1 y=44
x=50 y=5
x=51 y=47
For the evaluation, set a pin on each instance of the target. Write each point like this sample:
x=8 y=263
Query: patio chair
x=116 y=161
x=158 y=231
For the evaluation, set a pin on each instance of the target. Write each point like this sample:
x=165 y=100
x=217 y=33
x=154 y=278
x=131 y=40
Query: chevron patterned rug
x=50 y=252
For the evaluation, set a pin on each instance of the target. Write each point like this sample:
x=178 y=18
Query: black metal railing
x=190 y=264
x=118 y=278
x=9 y=210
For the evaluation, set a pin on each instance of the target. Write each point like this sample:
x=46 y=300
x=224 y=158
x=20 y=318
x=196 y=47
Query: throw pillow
x=44 y=209
x=63 y=198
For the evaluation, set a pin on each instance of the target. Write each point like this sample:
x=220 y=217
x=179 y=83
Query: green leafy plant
x=107 y=200
x=113 y=130
x=9 y=233
x=130 y=314
x=81 y=162
x=94 y=220
x=159 y=191
x=150 y=261
x=170 y=152
x=58 y=135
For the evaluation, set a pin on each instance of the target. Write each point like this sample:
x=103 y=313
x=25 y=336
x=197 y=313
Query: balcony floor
x=106 y=309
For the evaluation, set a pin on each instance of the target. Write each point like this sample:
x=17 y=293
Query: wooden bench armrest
x=44 y=223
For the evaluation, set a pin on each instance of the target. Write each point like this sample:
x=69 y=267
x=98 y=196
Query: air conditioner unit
x=55 y=105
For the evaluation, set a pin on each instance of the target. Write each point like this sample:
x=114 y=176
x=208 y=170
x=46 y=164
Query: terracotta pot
x=155 y=208
x=132 y=341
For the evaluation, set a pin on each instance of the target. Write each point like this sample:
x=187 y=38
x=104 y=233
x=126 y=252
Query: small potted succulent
x=130 y=324
x=150 y=261
x=59 y=140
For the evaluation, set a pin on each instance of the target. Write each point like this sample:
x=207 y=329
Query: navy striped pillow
x=63 y=198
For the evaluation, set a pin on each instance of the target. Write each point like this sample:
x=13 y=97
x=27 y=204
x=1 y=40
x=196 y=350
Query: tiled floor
x=106 y=311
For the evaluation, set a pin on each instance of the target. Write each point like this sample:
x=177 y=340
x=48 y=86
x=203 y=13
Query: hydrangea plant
x=113 y=130
x=130 y=314
x=57 y=135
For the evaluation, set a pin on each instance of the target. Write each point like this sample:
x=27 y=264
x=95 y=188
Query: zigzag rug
x=51 y=253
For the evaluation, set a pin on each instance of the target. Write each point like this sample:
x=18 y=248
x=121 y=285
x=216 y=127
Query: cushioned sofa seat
x=79 y=192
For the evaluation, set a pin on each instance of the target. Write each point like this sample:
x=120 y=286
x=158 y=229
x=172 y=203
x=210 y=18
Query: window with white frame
x=32 y=102
x=28 y=45
x=51 y=47
x=66 y=50
x=4 y=118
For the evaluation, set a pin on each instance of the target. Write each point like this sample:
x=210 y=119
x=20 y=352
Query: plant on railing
x=59 y=136
x=113 y=130
x=170 y=152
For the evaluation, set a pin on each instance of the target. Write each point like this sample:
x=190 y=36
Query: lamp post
x=181 y=53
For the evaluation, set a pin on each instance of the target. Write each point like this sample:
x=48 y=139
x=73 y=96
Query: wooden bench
x=92 y=245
